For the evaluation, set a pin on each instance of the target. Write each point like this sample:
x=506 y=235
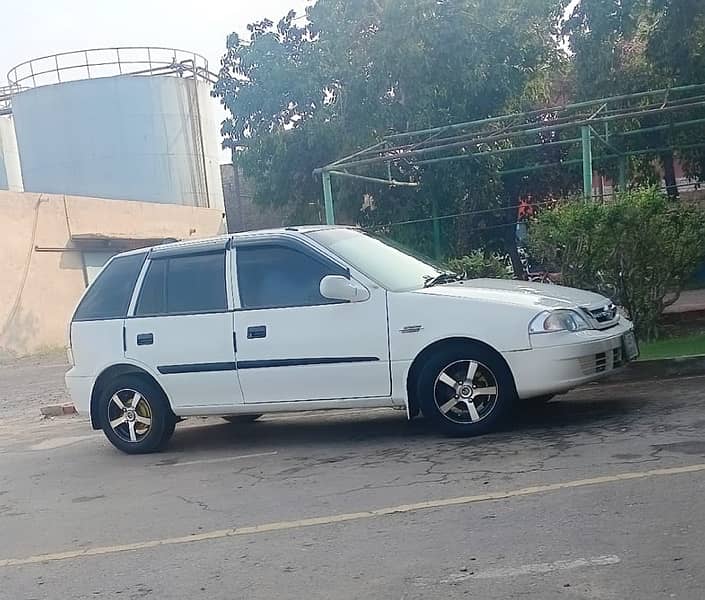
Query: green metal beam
x=401 y=154
x=436 y=229
x=604 y=158
x=587 y=161
x=577 y=105
x=389 y=182
x=477 y=155
x=328 y=199
x=622 y=177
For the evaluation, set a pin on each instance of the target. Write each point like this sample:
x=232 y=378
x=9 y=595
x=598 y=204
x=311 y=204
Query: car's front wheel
x=135 y=415
x=466 y=389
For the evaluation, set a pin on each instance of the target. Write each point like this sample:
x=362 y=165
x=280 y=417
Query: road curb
x=58 y=410
x=664 y=368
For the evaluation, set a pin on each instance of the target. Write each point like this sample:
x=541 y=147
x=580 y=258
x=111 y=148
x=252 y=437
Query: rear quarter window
x=109 y=295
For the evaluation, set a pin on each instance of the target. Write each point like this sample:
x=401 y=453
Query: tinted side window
x=196 y=283
x=109 y=296
x=152 y=298
x=271 y=276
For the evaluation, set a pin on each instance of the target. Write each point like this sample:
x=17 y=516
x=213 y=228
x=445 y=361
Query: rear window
x=109 y=296
x=184 y=284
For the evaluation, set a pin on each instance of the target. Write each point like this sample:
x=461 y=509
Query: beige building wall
x=43 y=269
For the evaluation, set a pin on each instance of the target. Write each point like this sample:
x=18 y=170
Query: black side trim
x=261 y=364
x=300 y=362
x=196 y=368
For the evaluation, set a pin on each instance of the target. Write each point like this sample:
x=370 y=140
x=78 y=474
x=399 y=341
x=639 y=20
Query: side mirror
x=337 y=287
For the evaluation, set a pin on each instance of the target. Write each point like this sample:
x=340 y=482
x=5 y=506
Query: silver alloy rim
x=466 y=392
x=130 y=415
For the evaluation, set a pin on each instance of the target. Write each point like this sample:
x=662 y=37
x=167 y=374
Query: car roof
x=223 y=239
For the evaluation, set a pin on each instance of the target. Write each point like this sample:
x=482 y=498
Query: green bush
x=640 y=250
x=478 y=264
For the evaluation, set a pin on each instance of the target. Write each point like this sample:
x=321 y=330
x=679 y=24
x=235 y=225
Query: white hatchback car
x=322 y=318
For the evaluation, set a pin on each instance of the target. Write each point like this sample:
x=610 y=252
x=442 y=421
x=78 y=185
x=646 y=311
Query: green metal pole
x=587 y=161
x=436 y=229
x=622 y=173
x=328 y=198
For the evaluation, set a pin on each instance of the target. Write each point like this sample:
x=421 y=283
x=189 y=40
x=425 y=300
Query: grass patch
x=690 y=345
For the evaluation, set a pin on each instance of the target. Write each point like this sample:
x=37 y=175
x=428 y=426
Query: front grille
x=617 y=359
x=598 y=363
x=604 y=316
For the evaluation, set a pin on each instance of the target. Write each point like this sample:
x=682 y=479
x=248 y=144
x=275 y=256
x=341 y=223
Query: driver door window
x=271 y=276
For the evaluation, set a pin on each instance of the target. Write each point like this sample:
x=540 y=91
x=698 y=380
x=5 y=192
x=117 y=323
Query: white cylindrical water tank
x=147 y=136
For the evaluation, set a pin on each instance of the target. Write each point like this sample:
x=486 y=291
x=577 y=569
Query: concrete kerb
x=664 y=368
x=57 y=410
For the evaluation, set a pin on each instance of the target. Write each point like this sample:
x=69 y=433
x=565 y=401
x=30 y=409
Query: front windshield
x=382 y=260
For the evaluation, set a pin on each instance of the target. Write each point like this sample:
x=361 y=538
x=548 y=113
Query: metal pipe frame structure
x=674 y=108
x=123 y=60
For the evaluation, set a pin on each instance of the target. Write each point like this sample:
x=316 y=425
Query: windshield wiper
x=445 y=277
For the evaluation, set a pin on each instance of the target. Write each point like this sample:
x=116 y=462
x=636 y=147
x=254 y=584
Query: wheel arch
x=110 y=373
x=413 y=407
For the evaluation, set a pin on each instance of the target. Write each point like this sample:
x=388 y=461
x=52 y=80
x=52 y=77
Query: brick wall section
x=242 y=213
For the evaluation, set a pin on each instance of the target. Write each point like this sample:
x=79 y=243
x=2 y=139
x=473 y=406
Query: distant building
x=101 y=151
x=242 y=213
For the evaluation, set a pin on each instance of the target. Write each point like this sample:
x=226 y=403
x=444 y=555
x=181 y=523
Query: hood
x=541 y=296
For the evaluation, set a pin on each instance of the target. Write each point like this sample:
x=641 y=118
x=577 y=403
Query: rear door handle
x=256 y=332
x=145 y=339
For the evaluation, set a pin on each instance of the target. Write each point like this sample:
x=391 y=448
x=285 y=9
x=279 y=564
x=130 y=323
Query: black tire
x=437 y=395
x=152 y=405
x=241 y=418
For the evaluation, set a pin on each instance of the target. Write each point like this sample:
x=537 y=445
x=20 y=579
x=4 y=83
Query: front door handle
x=145 y=339
x=256 y=332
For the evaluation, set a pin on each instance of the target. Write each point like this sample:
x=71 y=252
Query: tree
x=305 y=93
x=676 y=48
x=627 y=46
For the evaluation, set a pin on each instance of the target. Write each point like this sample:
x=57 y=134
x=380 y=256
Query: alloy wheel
x=130 y=415
x=465 y=391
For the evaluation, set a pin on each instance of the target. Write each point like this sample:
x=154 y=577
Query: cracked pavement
x=64 y=488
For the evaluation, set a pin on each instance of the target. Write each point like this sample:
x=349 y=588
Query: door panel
x=314 y=352
x=193 y=354
x=183 y=330
x=294 y=344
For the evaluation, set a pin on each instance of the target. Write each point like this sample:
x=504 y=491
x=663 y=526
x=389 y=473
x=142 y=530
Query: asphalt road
x=600 y=494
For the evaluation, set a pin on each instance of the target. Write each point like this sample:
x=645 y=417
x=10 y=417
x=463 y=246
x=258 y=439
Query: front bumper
x=559 y=362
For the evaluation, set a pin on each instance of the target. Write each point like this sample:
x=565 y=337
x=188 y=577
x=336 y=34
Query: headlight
x=558 y=320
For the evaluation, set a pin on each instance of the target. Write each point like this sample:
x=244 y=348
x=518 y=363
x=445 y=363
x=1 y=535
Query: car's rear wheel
x=135 y=415
x=241 y=418
x=466 y=389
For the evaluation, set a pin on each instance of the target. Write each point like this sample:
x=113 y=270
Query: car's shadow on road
x=566 y=416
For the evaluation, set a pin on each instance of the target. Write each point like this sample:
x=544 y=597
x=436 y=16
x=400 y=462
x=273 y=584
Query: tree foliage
x=641 y=250
x=626 y=46
x=312 y=88
x=304 y=93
